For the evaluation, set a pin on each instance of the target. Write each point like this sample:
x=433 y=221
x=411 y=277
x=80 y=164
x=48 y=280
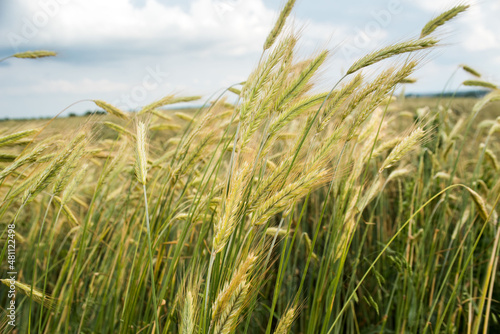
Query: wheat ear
x=407 y=144
x=480 y=203
x=12 y=138
x=286 y=322
x=470 y=70
x=121 y=130
x=167 y=100
x=141 y=162
x=110 y=109
x=140 y=152
x=227 y=321
x=392 y=50
x=230 y=287
x=187 y=325
x=28 y=158
x=51 y=172
x=35 y=294
x=479 y=83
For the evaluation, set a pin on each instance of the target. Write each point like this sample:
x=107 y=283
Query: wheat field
x=353 y=210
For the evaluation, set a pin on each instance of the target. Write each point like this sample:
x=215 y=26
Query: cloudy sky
x=131 y=52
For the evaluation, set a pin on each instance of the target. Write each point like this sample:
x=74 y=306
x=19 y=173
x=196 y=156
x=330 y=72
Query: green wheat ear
x=280 y=23
x=480 y=83
x=286 y=321
x=14 y=137
x=35 y=54
x=405 y=145
x=188 y=314
x=141 y=160
x=392 y=50
x=435 y=23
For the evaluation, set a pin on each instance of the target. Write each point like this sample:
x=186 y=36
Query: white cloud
x=85 y=86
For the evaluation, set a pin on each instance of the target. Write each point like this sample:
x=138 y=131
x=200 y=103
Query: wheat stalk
x=228 y=318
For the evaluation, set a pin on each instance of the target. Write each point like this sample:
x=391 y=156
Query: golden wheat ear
x=141 y=160
x=240 y=275
x=187 y=325
x=480 y=204
x=23 y=160
x=120 y=129
x=35 y=54
x=391 y=51
x=14 y=137
x=49 y=174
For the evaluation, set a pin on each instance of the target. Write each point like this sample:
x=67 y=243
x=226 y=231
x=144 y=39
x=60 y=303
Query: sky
x=132 y=52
